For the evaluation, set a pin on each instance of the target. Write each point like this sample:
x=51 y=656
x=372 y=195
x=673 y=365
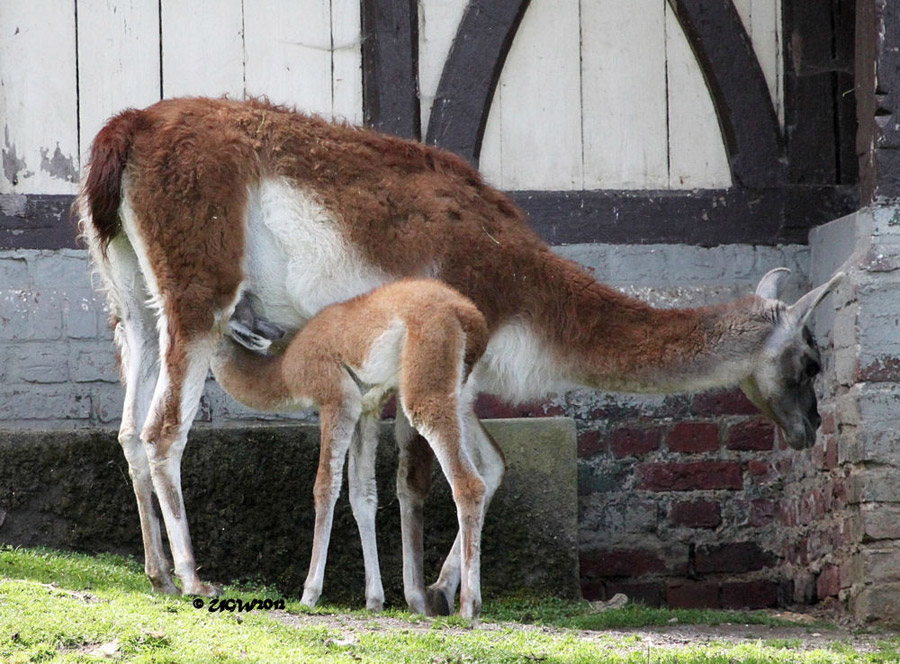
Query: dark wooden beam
x=878 y=98
x=390 y=49
x=820 y=106
x=695 y=217
x=36 y=222
x=470 y=75
x=738 y=89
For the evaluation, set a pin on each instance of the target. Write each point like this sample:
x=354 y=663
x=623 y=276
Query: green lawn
x=64 y=607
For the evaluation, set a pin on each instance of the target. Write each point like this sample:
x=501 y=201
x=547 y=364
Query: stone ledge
x=249 y=497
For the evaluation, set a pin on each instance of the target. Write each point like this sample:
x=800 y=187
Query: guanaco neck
x=255 y=380
x=607 y=340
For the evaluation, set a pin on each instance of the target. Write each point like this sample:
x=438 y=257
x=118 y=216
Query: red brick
x=831 y=452
x=620 y=563
x=722 y=402
x=692 y=595
x=828 y=584
x=591 y=443
x=754 y=435
x=760 y=594
x=784 y=465
x=488 y=406
x=699 y=514
x=762 y=512
x=700 y=475
x=828 y=423
x=762 y=471
x=628 y=441
x=882 y=370
x=691 y=437
x=733 y=557
x=798 y=553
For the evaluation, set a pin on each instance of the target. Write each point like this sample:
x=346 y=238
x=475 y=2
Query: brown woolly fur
x=103 y=185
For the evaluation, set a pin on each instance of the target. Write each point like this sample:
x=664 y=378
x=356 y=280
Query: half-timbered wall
x=687 y=121
x=65 y=72
x=601 y=95
x=592 y=96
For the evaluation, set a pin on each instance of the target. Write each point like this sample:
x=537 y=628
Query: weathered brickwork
x=838 y=516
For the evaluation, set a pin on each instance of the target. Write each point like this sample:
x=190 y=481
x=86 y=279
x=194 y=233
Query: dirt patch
x=670 y=637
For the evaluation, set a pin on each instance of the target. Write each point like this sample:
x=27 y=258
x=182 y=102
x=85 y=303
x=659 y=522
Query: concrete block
x=846 y=365
x=44 y=403
x=879 y=405
x=91 y=362
x=224 y=408
x=832 y=244
x=37 y=362
x=16 y=318
x=877 y=603
x=249 y=495
x=845 y=330
x=658 y=265
x=81 y=314
x=885 y=222
x=46 y=312
x=880 y=521
x=879 y=564
x=14 y=270
x=54 y=269
x=106 y=402
x=879 y=484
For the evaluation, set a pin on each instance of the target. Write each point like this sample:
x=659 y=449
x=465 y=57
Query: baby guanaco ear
x=800 y=311
x=769 y=285
x=248 y=338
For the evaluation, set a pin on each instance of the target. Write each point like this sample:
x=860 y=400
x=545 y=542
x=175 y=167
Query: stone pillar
x=841 y=508
x=844 y=505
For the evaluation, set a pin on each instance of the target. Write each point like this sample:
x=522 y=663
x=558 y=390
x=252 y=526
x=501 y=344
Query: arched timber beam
x=738 y=89
x=470 y=74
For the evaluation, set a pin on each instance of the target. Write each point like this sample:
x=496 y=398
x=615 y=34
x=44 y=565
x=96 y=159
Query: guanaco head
x=781 y=384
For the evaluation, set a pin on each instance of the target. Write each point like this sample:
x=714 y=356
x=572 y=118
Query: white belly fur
x=518 y=367
x=296 y=262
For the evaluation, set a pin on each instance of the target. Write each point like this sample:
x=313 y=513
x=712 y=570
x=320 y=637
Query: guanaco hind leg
x=136 y=339
x=491 y=465
x=435 y=400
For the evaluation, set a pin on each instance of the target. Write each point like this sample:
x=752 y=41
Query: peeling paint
x=12 y=163
x=59 y=166
x=13 y=205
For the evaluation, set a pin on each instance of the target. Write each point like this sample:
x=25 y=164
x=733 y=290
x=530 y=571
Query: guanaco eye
x=811 y=369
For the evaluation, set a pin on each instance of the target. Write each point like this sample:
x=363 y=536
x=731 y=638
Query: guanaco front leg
x=364 y=502
x=338 y=423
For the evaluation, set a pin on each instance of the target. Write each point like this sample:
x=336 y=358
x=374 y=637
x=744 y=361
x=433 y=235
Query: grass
x=65 y=607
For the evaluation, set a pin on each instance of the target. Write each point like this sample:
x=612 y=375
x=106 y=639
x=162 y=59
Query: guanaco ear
x=799 y=312
x=768 y=285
